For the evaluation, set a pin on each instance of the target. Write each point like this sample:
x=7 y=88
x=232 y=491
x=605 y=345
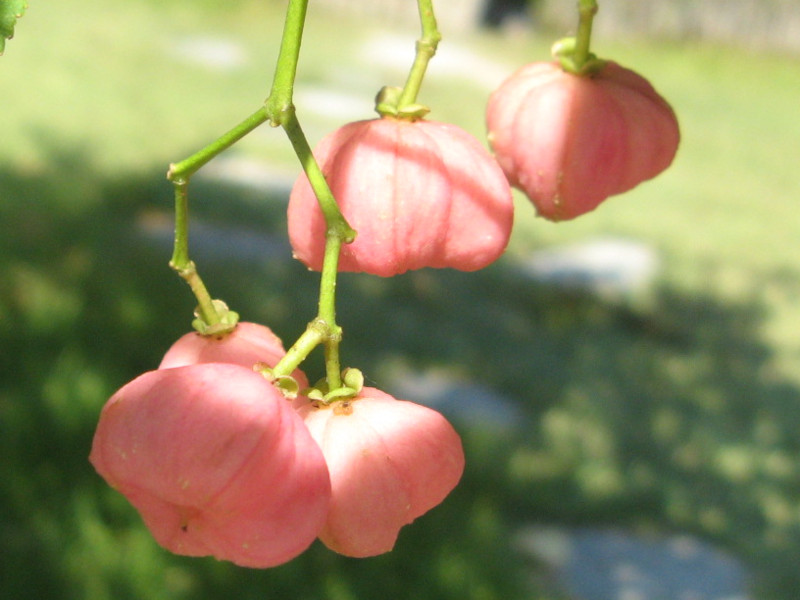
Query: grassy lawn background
x=677 y=411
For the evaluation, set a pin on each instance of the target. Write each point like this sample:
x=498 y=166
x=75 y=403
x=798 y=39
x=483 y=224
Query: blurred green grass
x=678 y=411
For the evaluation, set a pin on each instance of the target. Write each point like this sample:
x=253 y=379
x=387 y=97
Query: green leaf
x=10 y=11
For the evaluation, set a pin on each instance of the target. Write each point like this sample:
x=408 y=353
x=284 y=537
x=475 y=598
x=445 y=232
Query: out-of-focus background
x=627 y=385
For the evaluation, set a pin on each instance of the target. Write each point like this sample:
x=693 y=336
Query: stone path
x=606 y=266
x=606 y=564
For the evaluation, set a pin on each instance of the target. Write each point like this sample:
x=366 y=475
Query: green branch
x=213 y=316
x=181 y=171
x=281 y=112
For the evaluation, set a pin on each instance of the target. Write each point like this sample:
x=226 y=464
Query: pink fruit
x=419 y=194
x=390 y=461
x=247 y=345
x=216 y=462
x=571 y=141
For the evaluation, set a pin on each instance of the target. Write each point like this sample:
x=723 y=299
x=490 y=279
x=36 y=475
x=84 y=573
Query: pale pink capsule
x=390 y=461
x=569 y=142
x=247 y=345
x=419 y=194
x=216 y=462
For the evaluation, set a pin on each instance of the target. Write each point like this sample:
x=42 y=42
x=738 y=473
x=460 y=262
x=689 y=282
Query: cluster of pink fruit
x=219 y=462
x=426 y=194
x=215 y=457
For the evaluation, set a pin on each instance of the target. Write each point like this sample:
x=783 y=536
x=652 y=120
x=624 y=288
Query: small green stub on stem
x=386 y=100
x=352 y=384
x=222 y=322
x=573 y=52
x=212 y=317
x=287 y=384
x=387 y=104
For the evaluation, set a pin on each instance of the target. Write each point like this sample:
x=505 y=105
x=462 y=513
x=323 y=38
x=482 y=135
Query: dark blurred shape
x=498 y=12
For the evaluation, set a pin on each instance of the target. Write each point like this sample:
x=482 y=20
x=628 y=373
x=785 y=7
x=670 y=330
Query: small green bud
x=227 y=320
x=386 y=100
x=564 y=52
x=315 y=394
x=353 y=378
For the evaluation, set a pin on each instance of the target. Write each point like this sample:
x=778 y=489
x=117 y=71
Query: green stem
x=327 y=308
x=586 y=11
x=281 y=111
x=180 y=261
x=279 y=101
x=180 y=250
x=425 y=50
x=334 y=219
x=338 y=231
x=314 y=335
x=210 y=314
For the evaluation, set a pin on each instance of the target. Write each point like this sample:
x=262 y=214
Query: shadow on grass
x=665 y=417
